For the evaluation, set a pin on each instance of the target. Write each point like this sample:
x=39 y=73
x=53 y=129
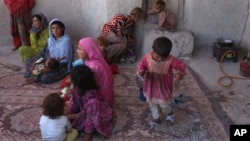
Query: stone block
x=183 y=41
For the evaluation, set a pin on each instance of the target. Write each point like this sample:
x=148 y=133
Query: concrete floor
x=234 y=100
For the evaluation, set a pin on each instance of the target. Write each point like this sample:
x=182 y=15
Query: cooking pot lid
x=226 y=41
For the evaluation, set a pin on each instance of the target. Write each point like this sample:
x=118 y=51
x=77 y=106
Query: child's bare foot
x=88 y=137
x=30 y=80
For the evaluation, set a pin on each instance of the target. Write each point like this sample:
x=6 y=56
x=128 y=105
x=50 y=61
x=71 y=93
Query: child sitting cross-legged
x=54 y=125
x=86 y=109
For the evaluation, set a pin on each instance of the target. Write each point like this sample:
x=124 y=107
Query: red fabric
x=19 y=10
x=65 y=82
x=15 y=5
x=114 y=68
x=112 y=25
x=17 y=41
x=66 y=98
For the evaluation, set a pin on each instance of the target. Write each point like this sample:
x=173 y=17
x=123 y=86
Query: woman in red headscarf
x=20 y=20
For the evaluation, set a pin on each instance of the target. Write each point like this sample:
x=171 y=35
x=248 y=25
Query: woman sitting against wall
x=60 y=46
x=39 y=34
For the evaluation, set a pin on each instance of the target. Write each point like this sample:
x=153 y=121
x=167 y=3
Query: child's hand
x=179 y=76
x=142 y=72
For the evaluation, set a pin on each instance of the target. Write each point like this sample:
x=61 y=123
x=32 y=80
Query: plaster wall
x=212 y=19
x=206 y=19
x=81 y=17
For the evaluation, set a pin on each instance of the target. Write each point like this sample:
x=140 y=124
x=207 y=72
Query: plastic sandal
x=152 y=124
x=123 y=60
x=182 y=98
x=170 y=118
x=175 y=103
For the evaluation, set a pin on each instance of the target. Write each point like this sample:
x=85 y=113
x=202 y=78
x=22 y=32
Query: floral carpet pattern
x=20 y=111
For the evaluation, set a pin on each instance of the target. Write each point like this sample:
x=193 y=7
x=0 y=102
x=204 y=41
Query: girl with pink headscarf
x=88 y=51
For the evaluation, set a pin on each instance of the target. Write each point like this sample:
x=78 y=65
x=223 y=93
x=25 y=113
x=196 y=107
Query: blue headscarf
x=62 y=47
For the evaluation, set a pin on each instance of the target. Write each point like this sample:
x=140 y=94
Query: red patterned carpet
x=20 y=111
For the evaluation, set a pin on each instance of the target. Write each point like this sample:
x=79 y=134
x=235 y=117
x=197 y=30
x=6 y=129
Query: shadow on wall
x=5 y=39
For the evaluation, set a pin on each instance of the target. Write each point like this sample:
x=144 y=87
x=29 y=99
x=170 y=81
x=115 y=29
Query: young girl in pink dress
x=87 y=111
x=156 y=67
x=89 y=51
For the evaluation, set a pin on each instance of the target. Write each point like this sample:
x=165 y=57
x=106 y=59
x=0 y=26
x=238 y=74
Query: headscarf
x=62 y=47
x=44 y=24
x=98 y=65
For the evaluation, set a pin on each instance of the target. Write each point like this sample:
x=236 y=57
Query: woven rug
x=20 y=111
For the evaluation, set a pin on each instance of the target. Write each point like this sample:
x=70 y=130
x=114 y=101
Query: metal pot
x=225 y=42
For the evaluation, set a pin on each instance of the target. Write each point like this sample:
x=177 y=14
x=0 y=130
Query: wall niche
x=176 y=6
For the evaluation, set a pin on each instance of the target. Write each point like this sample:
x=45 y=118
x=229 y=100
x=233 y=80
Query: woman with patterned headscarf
x=20 y=21
x=119 y=31
x=39 y=34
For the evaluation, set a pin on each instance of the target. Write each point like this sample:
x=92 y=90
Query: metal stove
x=223 y=46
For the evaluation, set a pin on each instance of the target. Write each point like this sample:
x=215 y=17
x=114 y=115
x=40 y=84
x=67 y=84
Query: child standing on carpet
x=156 y=67
x=54 y=125
x=87 y=111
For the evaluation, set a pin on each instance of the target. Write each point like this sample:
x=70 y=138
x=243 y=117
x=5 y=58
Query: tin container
x=245 y=68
